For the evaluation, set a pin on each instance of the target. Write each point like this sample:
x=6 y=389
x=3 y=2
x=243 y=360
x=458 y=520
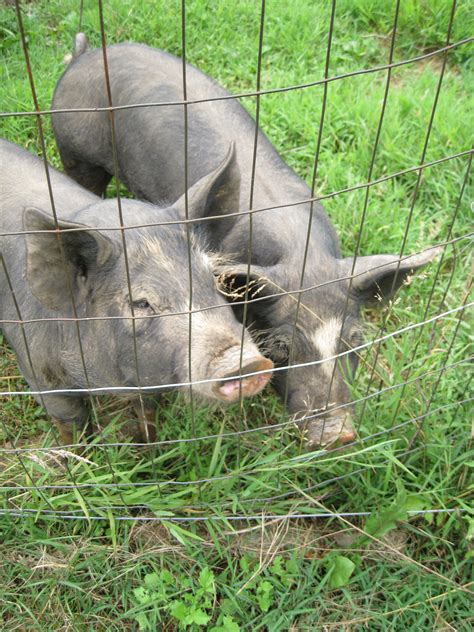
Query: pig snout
x=324 y=428
x=220 y=360
x=231 y=385
x=229 y=389
x=329 y=431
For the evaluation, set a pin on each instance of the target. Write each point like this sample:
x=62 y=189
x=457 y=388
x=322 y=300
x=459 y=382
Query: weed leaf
x=340 y=569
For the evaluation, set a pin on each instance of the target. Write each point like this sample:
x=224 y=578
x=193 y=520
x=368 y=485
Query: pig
x=41 y=269
x=151 y=162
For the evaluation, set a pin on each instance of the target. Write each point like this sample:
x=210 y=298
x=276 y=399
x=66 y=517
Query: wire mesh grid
x=252 y=464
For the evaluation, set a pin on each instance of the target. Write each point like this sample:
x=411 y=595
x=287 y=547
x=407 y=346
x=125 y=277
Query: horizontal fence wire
x=257 y=299
x=243 y=95
x=322 y=455
x=264 y=501
x=356 y=187
x=348 y=453
x=172 y=385
x=266 y=427
x=240 y=517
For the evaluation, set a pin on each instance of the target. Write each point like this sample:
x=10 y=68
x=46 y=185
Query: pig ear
x=52 y=275
x=377 y=277
x=232 y=281
x=216 y=194
x=80 y=45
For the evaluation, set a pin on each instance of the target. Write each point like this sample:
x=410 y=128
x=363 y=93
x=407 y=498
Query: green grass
x=304 y=574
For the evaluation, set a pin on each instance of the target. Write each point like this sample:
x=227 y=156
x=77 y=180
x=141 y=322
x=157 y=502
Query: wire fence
x=249 y=485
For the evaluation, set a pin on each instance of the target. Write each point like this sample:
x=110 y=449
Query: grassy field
x=137 y=555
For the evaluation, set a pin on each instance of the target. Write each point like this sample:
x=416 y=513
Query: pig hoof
x=144 y=430
x=72 y=432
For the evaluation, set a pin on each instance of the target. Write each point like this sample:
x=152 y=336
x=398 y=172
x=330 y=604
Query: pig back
x=23 y=183
x=151 y=148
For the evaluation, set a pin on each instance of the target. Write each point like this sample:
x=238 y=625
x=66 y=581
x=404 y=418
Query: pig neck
x=281 y=233
x=99 y=372
x=270 y=191
x=275 y=183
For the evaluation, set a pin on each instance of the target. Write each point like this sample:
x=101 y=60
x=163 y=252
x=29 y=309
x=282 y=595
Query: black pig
x=44 y=270
x=151 y=157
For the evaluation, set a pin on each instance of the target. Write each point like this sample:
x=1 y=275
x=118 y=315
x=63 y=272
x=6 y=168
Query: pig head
x=313 y=345
x=130 y=290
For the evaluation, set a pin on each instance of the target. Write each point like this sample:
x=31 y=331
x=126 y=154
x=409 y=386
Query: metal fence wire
x=259 y=467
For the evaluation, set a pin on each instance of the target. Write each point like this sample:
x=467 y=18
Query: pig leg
x=70 y=415
x=146 y=427
x=89 y=176
x=71 y=430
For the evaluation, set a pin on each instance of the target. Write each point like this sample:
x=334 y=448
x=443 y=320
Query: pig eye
x=356 y=339
x=142 y=304
x=280 y=350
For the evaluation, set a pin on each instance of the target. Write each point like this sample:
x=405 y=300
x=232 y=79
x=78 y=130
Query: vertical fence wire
x=188 y=229
x=423 y=155
x=120 y=215
x=58 y=231
x=445 y=359
x=81 y=15
x=6 y=430
x=367 y=191
x=311 y=207
x=249 y=252
x=435 y=282
x=116 y=170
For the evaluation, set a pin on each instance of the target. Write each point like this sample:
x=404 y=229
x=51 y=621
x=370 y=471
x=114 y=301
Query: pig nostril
x=230 y=389
x=260 y=364
x=347 y=437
